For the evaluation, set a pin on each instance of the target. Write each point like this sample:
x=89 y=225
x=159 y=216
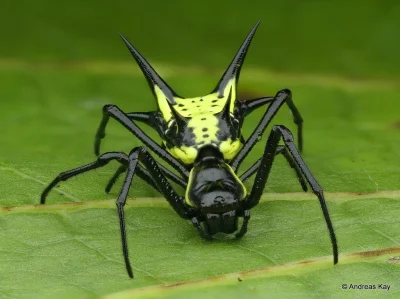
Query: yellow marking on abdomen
x=186 y=154
x=230 y=148
x=205 y=128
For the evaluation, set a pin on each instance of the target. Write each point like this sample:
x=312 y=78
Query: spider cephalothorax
x=202 y=141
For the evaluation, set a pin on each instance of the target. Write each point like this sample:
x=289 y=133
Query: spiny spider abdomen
x=201 y=140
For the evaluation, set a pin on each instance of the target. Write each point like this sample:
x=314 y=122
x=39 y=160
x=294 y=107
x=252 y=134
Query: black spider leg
x=285 y=152
x=141 y=172
x=144 y=117
x=177 y=202
x=131 y=162
x=197 y=225
x=147 y=118
x=63 y=176
x=243 y=229
x=265 y=168
x=116 y=113
x=144 y=174
x=280 y=98
x=251 y=105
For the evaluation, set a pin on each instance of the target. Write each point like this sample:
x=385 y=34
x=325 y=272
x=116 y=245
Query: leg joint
x=107 y=157
x=107 y=108
x=285 y=132
x=63 y=176
x=136 y=152
x=318 y=191
x=284 y=93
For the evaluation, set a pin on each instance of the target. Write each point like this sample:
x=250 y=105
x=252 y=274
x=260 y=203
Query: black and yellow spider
x=202 y=140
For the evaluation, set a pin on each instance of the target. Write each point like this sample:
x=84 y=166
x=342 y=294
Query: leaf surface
x=52 y=92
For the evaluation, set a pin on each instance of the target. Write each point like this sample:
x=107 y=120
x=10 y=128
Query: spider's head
x=216 y=191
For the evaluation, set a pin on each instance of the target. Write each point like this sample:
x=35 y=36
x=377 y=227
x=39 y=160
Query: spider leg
x=280 y=150
x=243 y=229
x=197 y=225
x=141 y=172
x=265 y=168
x=280 y=98
x=148 y=118
x=177 y=202
x=144 y=174
x=131 y=163
x=250 y=106
x=144 y=117
x=100 y=162
x=116 y=113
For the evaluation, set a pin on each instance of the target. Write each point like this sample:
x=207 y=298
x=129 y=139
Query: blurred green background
x=61 y=61
x=353 y=38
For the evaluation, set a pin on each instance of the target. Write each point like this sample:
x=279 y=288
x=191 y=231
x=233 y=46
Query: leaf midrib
x=338 y=197
x=292 y=268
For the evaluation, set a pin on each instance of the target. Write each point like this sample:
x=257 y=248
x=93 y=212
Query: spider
x=202 y=141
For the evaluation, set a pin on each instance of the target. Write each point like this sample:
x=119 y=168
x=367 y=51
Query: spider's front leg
x=177 y=202
x=131 y=163
x=100 y=162
x=144 y=174
x=265 y=168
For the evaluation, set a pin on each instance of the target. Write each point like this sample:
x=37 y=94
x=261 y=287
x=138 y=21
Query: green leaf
x=278 y=280
x=307 y=36
x=73 y=250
